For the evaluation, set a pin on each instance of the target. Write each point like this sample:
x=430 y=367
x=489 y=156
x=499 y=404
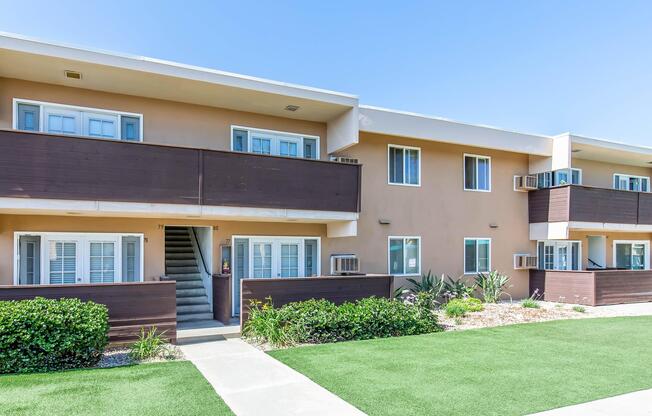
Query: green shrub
x=473 y=304
x=455 y=308
x=321 y=321
x=150 y=344
x=40 y=334
x=491 y=285
x=580 y=309
x=429 y=283
x=530 y=303
x=458 y=289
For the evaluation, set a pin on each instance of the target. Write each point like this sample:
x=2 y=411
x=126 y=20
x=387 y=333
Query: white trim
x=71 y=107
x=82 y=253
x=300 y=154
x=476 y=172
x=399 y=146
x=273 y=239
x=581 y=176
x=628 y=176
x=476 y=255
x=403 y=237
x=646 y=245
x=155 y=210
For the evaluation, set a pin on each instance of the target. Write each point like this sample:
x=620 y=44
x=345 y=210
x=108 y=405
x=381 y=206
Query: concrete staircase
x=182 y=266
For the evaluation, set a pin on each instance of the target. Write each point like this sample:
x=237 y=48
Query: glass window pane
x=644 y=185
x=396 y=256
x=28 y=117
x=575 y=256
x=470 y=256
x=395 y=165
x=624 y=256
x=412 y=256
x=309 y=148
x=130 y=128
x=575 y=177
x=483 y=255
x=638 y=256
x=469 y=172
x=483 y=174
x=412 y=166
x=540 y=253
x=240 y=140
x=310 y=262
x=262 y=260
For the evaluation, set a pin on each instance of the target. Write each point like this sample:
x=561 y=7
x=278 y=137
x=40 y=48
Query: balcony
x=575 y=203
x=46 y=166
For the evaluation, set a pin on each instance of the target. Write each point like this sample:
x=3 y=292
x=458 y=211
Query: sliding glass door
x=559 y=255
x=632 y=255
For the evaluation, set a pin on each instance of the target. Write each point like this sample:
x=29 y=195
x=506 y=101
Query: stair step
x=181 y=270
x=170 y=244
x=190 y=284
x=183 y=293
x=169 y=250
x=170 y=231
x=186 y=309
x=194 y=317
x=192 y=300
x=181 y=262
x=171 y=238
x=182 y=276
x=180 y=256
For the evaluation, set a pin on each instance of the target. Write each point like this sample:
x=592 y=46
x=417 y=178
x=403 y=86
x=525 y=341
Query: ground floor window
x=273 y=257
x=69 y=258
x=477 y=255
x=404 y=255
x=633 y=255
x=559 y=255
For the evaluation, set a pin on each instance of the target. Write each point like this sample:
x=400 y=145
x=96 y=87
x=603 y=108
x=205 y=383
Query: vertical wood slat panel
x=623 y=286
x=335 y=289
x=564 y=286
x=131 y=306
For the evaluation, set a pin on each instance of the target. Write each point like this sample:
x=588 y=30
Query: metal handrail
x=201 y=254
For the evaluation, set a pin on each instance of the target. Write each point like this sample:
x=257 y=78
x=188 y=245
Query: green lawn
x=172 y=388
x=511 y=370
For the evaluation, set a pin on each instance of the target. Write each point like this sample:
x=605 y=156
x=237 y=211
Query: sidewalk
x=253 y=384
x=631 y=404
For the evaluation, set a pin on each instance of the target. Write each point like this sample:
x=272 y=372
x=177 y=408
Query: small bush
x=579 y=309
x=321 y=321
x=459 y=307
x=473 y=304
x=530 y=303
x=429 y=283
x=39 y=335
x=458 y=289
x=150 y=344
x=492 y=285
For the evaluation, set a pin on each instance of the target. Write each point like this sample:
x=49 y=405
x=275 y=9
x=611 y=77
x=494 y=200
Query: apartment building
x=121 y=168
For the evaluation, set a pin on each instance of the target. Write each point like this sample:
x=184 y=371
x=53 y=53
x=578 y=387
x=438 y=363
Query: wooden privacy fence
x=131 y=305
x=337 y=289
x=597 y=287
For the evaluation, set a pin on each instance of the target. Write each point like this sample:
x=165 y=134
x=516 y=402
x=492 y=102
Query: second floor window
x=631 y=183
x=404 y=165
x=477 y=173
x=78 y=121
x=268 y=142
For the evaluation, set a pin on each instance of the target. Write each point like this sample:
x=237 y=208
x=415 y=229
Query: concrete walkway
x=253 y=383
x=632 y=404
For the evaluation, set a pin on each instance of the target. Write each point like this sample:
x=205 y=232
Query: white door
x=289 y=147
x=597 y=252
x=103 y=126
x=62 y=266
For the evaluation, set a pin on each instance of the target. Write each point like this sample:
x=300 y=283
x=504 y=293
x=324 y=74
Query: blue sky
x=535 y=66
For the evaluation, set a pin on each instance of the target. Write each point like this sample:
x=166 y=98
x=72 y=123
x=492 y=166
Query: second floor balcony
x=45 y=166
x=577 y=203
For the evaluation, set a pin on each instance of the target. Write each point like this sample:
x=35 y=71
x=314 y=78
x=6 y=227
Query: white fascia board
x=609 y=144
x=30 y=45
x=149 y=210
x=549 y=231
x=614 y=227
x=419 y=126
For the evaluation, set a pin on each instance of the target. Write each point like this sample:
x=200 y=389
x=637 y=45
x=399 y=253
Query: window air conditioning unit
x=525 y=261
x=525 y=183
x=343 y=264
x=344 y=159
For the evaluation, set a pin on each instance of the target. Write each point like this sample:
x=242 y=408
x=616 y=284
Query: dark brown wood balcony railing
x=36 y=165
x=589 y=204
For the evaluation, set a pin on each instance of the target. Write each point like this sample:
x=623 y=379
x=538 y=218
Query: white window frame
x=67 y=107
x=646 y=244
x=474 y=272
x=276 y=136
x=403 y=237
x=628 y=176
x=275 y=240
x=83 y=252
x=398 y=146
x=476 y=172
x=555 y=244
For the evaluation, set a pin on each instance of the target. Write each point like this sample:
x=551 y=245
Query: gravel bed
x=116 y=357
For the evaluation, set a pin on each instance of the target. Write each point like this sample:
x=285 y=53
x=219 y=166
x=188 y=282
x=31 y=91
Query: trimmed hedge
x=321 y=321
x=41 y=334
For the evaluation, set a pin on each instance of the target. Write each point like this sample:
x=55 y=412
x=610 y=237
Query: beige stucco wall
x=583 y=237
x=164 y=122
x=601 y=174
x=440 y=211
x=153 y=230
